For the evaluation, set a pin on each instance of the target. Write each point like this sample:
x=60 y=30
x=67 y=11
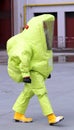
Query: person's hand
x=27 y=80
x=49 y=76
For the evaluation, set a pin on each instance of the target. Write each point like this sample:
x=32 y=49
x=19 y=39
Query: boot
x=21 y=118
x=52 y=119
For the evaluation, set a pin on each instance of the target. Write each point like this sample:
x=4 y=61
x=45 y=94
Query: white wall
x=18 y=15
x=18 y=11
x=47 y=1
x=15 y=16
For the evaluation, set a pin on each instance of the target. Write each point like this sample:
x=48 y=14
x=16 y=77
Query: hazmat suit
x=30 y=61
x=30 y=55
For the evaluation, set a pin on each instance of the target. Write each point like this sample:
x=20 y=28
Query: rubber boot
x=21 y=118
x=52 y=119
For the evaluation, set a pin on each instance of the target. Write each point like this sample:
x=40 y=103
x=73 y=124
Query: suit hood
x=40 y=30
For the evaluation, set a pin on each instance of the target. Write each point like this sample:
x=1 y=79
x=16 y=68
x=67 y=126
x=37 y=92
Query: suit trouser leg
x=23 y=99
x=45 y=104
x=39 y=89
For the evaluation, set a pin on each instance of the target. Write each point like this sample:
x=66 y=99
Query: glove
x=27 y=80
x=49 y=76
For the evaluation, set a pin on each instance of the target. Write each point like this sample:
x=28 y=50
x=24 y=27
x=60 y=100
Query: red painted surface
x=70 y=29
x=5 y=22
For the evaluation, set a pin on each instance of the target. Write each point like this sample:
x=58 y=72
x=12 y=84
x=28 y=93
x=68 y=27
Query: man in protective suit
x=30 y=61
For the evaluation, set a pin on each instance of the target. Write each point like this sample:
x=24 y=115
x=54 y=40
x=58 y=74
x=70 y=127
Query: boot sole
x=22 y=121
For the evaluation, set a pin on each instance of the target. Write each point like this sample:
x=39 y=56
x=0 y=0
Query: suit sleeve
x=25 y=61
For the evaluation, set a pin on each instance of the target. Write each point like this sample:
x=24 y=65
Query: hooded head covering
x=40 y=30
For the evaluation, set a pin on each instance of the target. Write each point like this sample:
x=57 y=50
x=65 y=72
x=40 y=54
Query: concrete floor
x=60 y=91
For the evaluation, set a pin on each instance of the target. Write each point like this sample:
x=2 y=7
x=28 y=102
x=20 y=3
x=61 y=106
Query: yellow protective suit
x=30 y=55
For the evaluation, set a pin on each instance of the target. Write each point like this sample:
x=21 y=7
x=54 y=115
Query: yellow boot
x=52 y=119
x=21 y=117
